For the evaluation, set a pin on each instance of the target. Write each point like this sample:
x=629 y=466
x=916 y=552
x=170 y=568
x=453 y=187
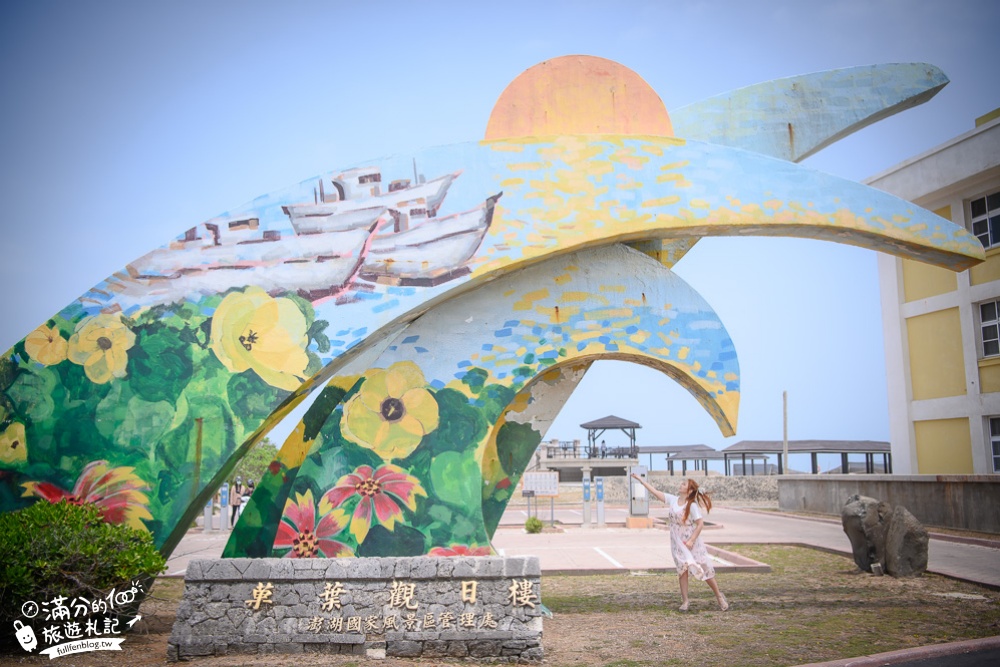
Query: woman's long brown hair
x=696 y=496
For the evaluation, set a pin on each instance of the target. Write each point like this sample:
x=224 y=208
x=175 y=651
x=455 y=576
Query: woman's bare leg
x=723 y=605
x=683 y=579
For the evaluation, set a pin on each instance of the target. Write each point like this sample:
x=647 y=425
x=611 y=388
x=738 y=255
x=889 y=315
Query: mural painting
x=143 y=393
x=425 y=425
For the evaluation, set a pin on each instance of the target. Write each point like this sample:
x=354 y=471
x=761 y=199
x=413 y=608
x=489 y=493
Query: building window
x=990 y=327
x=985 y=217
x=995 y=442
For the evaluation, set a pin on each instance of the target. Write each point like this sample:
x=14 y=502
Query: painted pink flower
x=460 y=550
x=299 y=532
x=117 y=491
x=380 y=489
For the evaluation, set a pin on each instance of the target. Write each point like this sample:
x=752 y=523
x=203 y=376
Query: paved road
x=971 y=653
x=580 y=549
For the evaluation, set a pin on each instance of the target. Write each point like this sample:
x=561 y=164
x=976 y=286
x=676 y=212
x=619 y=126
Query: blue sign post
x=224 y=501
x=599 y=488
x=586 y=500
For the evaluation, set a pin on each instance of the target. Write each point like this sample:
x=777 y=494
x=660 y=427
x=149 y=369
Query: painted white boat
x=318 y=218
x=360 y=189
x=430 y=249
x=315 y=265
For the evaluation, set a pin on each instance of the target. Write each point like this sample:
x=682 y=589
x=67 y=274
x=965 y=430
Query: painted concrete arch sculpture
x=416 y=449
x=141 y=395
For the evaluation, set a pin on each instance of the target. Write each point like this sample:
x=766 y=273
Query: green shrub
x=533 y=525
x=49 y=549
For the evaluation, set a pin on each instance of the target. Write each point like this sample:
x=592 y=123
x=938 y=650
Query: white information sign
x=544 y=484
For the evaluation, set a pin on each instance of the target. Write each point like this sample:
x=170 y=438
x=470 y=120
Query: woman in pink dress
x=686 y=545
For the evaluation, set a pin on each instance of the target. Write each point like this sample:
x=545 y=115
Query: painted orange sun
x=578 y=95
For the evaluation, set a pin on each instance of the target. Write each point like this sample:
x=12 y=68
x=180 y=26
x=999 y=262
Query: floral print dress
x=696 y=560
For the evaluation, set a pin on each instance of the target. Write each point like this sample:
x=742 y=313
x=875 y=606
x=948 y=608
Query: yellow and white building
x=942 y=329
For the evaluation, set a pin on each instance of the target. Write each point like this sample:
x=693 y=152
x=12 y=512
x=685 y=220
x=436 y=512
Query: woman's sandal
x=723 y=603
x=683 y=607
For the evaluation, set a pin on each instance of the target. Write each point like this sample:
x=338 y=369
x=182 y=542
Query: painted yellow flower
x=13 y=448
x=46 y=346
x=252 y=329
x=100 y=344
x=392 y=412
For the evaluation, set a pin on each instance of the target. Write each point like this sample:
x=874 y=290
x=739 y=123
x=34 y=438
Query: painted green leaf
x=159 y=363
x=401 y=541
x=456 y=478
x=31 y=393
x=144 y=422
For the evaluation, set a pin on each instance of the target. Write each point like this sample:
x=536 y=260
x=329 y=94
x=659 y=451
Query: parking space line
x=613 y=561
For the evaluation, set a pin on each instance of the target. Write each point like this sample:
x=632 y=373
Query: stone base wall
x=966 y=502
x=484 y=607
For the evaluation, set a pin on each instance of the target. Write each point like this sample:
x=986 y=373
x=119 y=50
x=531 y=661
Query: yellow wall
x=937 y=367
x=989 y=375
x=988 y=270
x=923 y=280
x=944 y=447
x=985 y=118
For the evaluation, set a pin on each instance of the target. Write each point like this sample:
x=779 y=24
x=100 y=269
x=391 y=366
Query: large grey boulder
x=884 y=539
x=905 y=545
x=865 y=521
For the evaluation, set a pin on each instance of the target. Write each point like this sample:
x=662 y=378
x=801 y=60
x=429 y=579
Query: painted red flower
x=299 y=532
x=115 y=490
x=460 y=550
x=382 y=489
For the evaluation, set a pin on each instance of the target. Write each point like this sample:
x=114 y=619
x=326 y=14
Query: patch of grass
x=168 y=589
x=813 y=606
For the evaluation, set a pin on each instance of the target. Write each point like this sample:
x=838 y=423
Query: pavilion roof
x=809 y=446
x=676 y=449
x=609 y=422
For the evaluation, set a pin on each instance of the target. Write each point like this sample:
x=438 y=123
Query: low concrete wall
x=754 y=491
x=483 y=607
x=966 y=502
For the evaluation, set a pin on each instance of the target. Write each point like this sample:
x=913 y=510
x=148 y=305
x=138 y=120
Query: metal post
x=209 y=506
x=844 y=468
x=586 y=500
x=552 y=511
x=783 y=462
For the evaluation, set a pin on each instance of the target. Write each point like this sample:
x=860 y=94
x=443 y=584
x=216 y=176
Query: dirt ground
x=814 y=606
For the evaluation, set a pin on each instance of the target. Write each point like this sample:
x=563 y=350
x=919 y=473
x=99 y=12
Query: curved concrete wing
x=167 y=371
x=456 y=371
x=795 y=117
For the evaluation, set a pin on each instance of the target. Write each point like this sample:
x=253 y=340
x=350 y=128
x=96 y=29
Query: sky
x=125 y=123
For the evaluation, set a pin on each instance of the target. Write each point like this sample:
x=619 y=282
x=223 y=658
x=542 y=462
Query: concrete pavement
x=578 y=549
